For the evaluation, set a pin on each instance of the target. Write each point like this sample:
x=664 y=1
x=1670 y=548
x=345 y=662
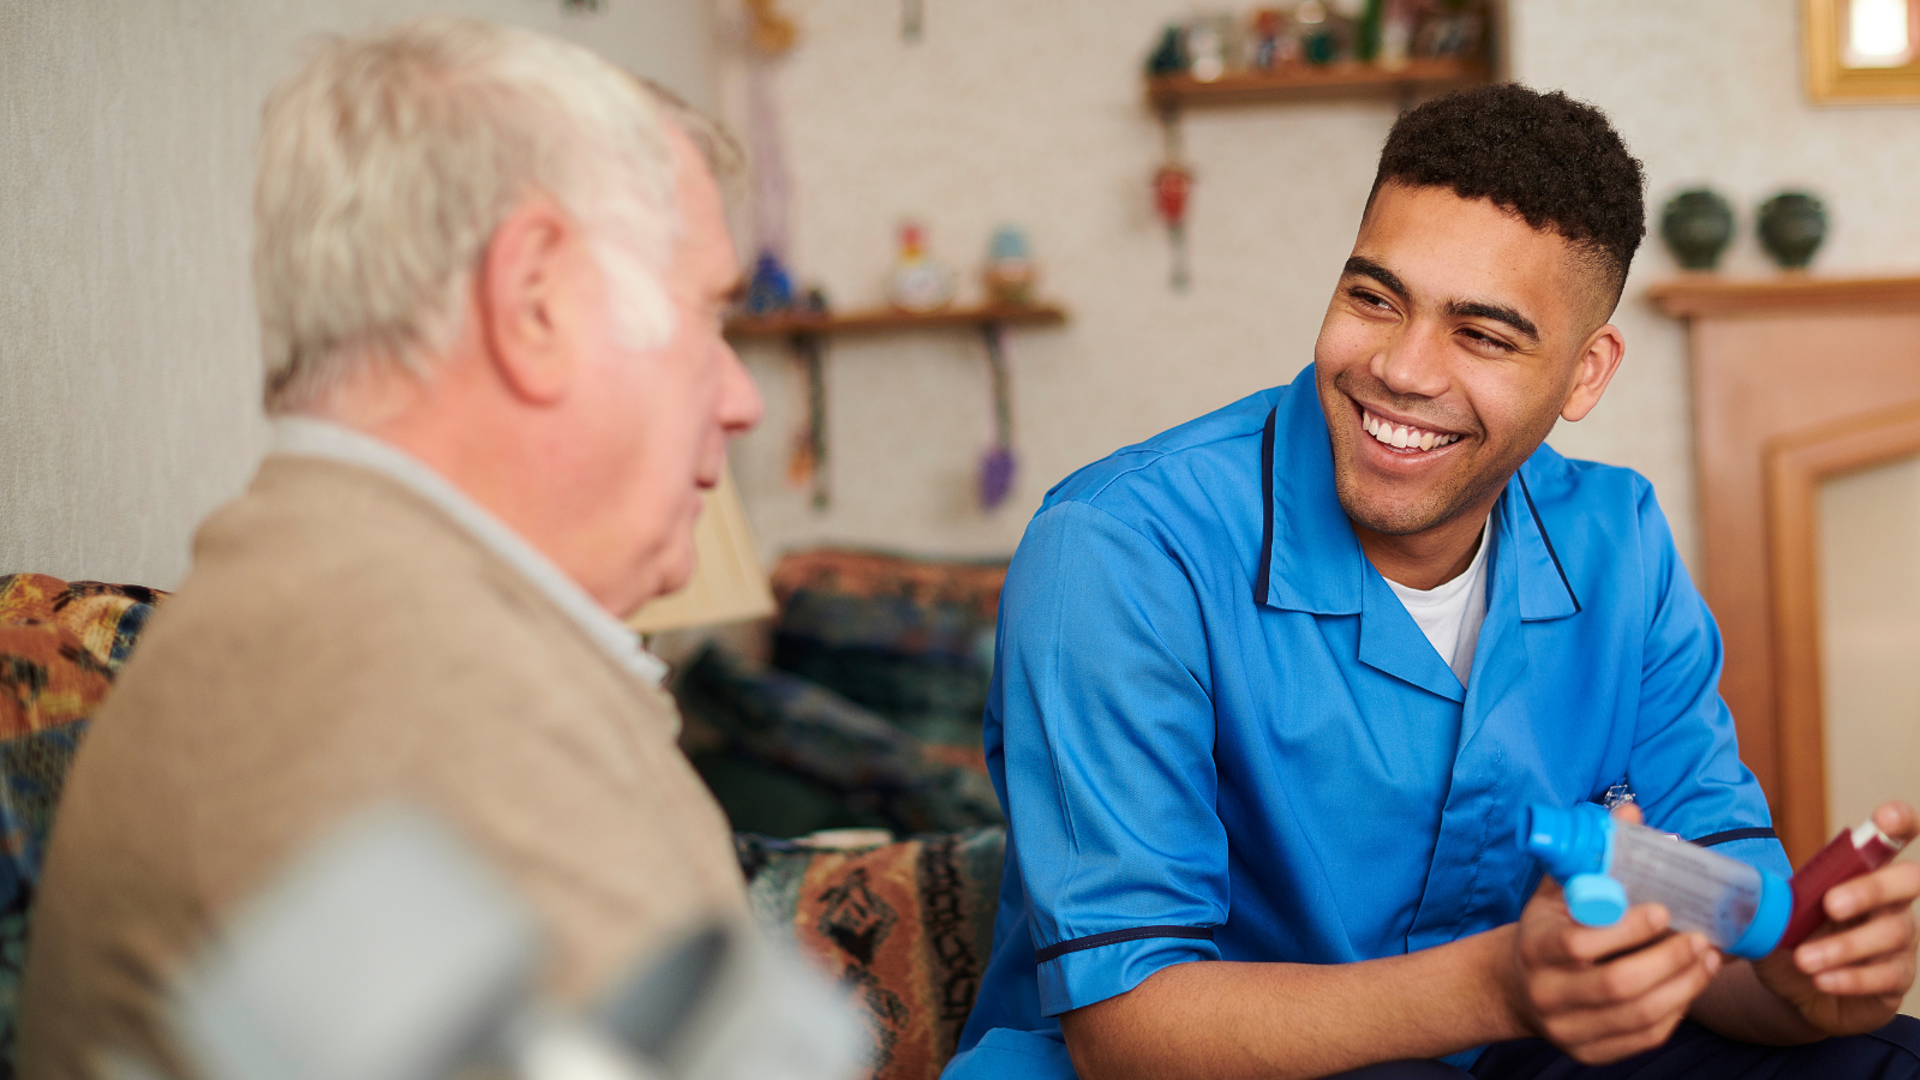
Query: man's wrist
x=1513 y=1014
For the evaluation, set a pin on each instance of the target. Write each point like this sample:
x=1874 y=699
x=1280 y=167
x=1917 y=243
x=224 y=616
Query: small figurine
x=1212 y=44
x=918 y=283
x=1455 y=29
x=1397 y=25
x=1010 y=272
x=1275 y=45
x=770 y=289
x=1169 y=57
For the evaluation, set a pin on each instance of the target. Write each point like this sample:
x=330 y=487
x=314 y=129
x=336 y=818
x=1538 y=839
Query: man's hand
x=1601 y=993
x=1850 y=976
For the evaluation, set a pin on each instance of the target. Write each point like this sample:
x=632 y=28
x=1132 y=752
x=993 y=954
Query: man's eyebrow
x=1365 y=267
x=1496 y=312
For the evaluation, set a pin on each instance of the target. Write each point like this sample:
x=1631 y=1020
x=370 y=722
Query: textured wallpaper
x=127 y=340
x=1009 y=111
x=129 y=370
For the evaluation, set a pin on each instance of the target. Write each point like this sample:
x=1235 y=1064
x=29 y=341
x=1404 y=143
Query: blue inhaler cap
x=1595 y=899
x=1568 y=841
x=1769 y=919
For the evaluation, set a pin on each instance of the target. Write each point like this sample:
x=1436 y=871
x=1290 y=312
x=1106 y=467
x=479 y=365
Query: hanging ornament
x=1172 y=185
x=807 y=462
x=998 y=464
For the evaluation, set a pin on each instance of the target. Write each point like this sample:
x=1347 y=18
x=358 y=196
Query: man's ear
x=1598 y=361
x=529 y=300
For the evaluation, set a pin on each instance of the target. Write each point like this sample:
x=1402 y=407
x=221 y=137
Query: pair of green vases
x=1698 y=225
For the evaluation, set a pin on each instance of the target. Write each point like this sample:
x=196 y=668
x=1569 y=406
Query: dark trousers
x=1694 y=1053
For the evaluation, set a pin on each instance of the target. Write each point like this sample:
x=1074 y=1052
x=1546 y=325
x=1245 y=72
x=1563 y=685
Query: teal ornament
x=1169 y=56
x=1697 y=226
x=1792 y=224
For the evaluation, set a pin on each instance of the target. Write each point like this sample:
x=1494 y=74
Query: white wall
x=128 y=344
x=127 y=341
x=1032 y=113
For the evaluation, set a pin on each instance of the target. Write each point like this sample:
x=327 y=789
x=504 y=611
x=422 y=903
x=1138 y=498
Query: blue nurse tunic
x=1217 y=734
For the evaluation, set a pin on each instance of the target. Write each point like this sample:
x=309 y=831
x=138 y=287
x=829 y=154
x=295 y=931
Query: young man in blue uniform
x=1274 y=687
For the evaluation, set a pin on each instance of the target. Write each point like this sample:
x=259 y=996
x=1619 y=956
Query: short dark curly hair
x=1554 y=161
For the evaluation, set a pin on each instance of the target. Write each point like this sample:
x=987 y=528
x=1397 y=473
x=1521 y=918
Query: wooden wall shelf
x=884 y=319
x=1711 y=294
x=1307 y=83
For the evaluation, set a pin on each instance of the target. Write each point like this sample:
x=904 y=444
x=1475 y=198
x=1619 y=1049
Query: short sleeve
x=1103 y=697
x=1685 y=765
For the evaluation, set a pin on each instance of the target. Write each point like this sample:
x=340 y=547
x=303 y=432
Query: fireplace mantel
x=1772 y=359
x=1695 y=295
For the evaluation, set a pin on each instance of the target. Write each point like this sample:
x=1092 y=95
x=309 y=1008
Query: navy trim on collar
x=1310 y=559
x=1519 y=474
x=1263 y=569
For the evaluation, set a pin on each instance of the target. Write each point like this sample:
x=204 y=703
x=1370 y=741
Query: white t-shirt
x=1450 y=614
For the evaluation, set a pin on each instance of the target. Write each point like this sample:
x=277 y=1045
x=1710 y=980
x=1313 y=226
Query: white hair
x=387 y=162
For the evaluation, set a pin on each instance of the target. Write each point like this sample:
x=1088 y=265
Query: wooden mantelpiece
x=1711 y=294
x=1773 y=358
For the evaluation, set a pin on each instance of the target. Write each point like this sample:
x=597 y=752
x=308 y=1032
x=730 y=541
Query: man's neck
x=1430 y=558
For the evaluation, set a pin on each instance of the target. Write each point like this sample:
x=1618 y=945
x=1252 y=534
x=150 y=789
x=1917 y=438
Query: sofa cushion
x=785 y=756
x=910 y=639
x=906 y=927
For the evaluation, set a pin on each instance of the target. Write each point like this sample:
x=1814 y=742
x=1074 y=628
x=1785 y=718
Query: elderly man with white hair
x=491 y=269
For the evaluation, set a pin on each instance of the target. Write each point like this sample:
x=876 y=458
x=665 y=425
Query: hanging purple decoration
x=998 y=465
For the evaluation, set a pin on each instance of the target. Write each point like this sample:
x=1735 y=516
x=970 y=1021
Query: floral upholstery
x=906 y=927
x=61 y=644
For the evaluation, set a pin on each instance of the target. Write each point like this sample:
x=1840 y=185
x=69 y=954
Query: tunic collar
x=1311 y=557
x=304 y=437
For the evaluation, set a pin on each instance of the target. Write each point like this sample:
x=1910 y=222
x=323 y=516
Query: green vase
x=1792 y=224
x=1697 y=226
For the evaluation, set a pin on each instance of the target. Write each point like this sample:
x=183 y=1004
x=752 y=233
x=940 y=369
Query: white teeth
x=1402 y=436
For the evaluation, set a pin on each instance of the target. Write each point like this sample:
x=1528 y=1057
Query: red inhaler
x=1855 y=851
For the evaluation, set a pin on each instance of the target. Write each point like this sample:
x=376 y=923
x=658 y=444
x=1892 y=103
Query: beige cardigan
x=339 y=640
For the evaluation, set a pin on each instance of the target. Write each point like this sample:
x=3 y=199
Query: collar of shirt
x=302 y=437
x=1312 y=559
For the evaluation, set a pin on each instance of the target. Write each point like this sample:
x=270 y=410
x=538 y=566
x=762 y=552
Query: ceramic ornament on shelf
x=1009 y=275
x=1791 y=225
x=917 y=283
x=770 y=289
x=1697 y=225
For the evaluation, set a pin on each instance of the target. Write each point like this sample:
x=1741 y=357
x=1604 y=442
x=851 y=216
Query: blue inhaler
x=1604 y=865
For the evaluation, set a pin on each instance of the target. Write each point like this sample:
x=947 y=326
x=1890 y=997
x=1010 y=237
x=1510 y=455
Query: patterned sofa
x=906 y=926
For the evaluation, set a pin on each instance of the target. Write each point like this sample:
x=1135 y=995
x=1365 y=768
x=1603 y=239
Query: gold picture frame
x=1830 y=80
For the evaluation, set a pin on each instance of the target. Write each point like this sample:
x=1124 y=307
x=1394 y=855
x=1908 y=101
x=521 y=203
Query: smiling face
x=1457 y=336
